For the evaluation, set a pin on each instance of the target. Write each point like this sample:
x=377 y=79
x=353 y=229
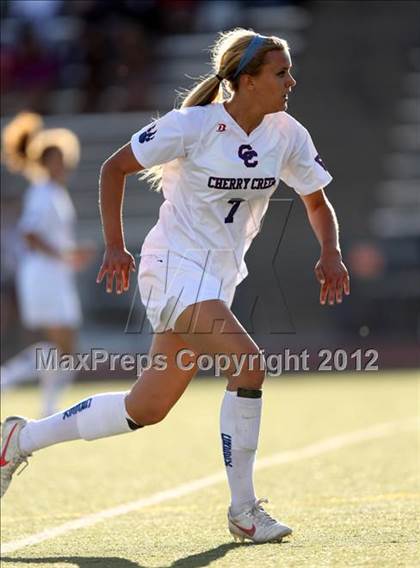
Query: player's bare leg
x=210 y=327
x=156 y=391
x=63 y=337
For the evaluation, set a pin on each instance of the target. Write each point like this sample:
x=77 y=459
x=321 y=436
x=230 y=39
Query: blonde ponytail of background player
x=226 y=53
x=15 y=140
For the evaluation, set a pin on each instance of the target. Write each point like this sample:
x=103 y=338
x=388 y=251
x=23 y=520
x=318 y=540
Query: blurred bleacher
x=95 y=56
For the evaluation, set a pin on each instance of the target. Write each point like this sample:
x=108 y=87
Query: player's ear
x=248 y=81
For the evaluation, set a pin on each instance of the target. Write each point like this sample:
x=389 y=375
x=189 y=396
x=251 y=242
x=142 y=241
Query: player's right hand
x=118 y=263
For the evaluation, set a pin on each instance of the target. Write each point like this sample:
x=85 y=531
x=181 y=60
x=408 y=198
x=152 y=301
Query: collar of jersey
x=233 y=122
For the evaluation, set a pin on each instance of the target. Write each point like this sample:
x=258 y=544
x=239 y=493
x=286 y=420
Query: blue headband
x=250 y=51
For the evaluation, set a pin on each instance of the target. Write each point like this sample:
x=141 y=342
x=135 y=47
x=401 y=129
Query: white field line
x=313 y=450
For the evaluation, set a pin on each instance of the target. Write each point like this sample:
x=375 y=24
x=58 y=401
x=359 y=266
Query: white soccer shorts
x=47 y=294
x=169 y=284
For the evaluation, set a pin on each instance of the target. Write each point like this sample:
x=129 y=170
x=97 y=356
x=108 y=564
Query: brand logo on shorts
x=148 y=134
x=77 y=408
x=246 y=153
x=221 y=127
x=227 y=449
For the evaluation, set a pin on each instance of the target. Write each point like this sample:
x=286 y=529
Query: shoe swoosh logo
x=3 y=460
x=249 y=532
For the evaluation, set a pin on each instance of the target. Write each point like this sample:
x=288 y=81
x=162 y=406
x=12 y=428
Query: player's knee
x=154 y=416
x=150 y=414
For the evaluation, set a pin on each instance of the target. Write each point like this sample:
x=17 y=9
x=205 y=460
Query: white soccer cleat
x=257 y=525
x=11 y=457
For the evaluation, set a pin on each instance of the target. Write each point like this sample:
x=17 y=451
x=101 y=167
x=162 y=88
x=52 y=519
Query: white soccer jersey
x=46 y=286
x=217 y=181
x=49 y=213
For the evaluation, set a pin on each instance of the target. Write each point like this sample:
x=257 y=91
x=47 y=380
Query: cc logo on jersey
x=246 y=153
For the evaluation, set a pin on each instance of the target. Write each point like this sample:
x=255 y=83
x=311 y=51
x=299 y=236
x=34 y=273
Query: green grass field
x=355 y=505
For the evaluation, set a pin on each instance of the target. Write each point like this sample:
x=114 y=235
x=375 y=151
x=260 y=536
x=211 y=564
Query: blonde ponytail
x=226 y=53
x=204 y=93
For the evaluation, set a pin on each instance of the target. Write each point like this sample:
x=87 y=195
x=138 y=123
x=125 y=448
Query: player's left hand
x=333 y=277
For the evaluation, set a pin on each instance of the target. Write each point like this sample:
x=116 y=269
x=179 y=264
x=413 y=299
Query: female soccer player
x=47 y=295
x=222 y=159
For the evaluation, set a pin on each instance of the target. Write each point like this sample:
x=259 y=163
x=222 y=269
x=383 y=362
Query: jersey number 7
x=235 y=204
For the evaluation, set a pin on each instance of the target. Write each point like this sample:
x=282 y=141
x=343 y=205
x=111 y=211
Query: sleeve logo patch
x=148 y=134
x=320 y=161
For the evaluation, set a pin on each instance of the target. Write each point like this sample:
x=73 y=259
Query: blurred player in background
x=46 y=288
x=224 y=157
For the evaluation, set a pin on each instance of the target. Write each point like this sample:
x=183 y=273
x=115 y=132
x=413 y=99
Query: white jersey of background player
x=49 y=213
x=46 y=287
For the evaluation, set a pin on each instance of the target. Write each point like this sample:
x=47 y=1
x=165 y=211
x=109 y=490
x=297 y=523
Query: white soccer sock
x=240 y=419
x=99 y=416
x=54 y=383
x=22 y=367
